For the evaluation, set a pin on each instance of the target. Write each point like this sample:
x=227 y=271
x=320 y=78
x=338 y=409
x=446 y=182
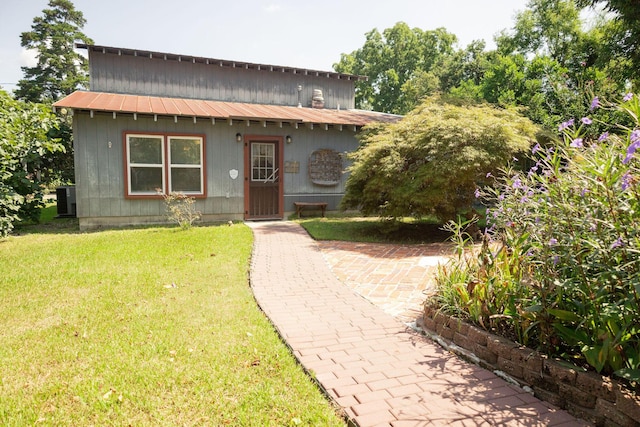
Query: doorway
x=263 y=172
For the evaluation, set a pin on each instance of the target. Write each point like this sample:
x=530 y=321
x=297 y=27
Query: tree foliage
x=430 y=162
x=25 y=142
x=626 y=39
x=391 y=61
x=60 y=69
x=548 y=63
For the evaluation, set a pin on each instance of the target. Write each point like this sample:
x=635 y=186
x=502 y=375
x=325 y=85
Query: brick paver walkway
x=396 y=278
x=367 y=361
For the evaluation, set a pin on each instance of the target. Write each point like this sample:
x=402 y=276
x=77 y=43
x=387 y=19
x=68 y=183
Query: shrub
x=429 y=162
x=563 y=268
x=181 y=209
x=26 y=146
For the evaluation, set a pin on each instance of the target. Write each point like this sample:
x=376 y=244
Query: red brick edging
x=587 y=395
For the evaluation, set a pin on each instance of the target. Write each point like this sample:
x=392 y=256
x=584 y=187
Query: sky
x=296 y=33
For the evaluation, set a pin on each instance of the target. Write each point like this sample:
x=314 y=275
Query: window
x=262 y=161
x=162 y=164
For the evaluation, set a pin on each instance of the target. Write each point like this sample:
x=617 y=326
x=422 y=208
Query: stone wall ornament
x=325 y=167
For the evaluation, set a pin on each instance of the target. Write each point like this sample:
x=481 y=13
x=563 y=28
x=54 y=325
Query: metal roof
x=219 y=62
x=198 y=108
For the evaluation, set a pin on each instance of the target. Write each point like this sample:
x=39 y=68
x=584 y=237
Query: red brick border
x=587 y=395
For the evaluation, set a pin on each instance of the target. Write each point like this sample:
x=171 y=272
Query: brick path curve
x=374 y=367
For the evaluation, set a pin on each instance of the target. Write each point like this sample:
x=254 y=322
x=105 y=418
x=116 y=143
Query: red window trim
x=165 y=167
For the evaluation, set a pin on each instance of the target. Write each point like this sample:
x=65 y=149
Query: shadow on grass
x=372 y=230
x=49 y=223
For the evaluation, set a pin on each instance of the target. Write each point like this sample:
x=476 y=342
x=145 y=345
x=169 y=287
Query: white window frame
x=129 y=165
x=171 y=165
x=166 y=164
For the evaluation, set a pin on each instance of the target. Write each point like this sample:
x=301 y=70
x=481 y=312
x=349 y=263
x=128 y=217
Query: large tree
x=393 y=59
x=627 y=38
x=431 y=162
x=60 y=69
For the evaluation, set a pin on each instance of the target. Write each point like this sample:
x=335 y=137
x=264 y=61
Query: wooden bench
x=313 y=205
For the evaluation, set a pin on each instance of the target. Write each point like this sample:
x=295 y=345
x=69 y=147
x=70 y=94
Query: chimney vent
x=317 y=101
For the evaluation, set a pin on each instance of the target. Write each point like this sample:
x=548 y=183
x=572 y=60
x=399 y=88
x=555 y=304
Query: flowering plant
x=570 y=224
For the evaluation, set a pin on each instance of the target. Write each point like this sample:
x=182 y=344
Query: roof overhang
x=206 y=109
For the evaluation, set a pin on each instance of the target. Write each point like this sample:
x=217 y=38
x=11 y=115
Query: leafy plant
x=24 y=147
x=565 y=244
x=429 y=162
x=181 y=209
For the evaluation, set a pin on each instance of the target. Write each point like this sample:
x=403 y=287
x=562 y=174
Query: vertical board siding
x=141 y=75
x=100 y=188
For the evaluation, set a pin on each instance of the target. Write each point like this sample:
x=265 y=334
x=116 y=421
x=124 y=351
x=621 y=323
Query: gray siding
x=140 y=75
x=99 y=163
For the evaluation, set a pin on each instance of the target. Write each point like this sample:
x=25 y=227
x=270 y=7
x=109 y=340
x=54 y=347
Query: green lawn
x=371 y=230
x=152 y=326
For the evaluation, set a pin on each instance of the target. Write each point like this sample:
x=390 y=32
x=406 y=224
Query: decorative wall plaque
x=291 y=166
x=325 y=167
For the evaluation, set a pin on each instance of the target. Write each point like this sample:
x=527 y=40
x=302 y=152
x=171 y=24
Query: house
x=246 y=140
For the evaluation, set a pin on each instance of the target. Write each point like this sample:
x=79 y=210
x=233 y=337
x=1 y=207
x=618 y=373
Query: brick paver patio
x=396 y=278
x=379 y=371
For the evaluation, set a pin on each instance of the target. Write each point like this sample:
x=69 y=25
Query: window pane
x=144 y=149
x=186 y=180
x=185 y=151
x=146 y=180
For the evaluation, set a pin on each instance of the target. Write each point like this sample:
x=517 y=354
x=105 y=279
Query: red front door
x=263 y=172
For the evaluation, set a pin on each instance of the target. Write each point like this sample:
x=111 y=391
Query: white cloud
x=28 y=58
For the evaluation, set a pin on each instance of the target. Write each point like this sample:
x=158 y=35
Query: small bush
x=181 y=209
x=563 y=266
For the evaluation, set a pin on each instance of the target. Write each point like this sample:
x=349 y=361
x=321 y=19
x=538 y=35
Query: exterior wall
x=141 y=75
x=99 y=165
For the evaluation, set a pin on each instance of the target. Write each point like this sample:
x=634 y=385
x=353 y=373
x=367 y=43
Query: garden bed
x=584 y=394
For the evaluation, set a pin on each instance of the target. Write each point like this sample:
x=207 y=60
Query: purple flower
x=584 y=192
x=576 y=143
x=626 y=181
x=627 y=97
x=586 y=120
x=565 y=125
x=489 y=175
x=553 y=241
x=535 y=148
x=477 y=193
x=595 y=103
x=618 y=243
x=603 y=137
x=556 y=259
x=517 y=183
x=635 y=144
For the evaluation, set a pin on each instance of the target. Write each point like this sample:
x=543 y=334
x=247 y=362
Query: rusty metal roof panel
x=142 y=104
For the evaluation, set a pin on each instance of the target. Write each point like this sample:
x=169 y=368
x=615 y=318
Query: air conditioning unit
x=66 y=201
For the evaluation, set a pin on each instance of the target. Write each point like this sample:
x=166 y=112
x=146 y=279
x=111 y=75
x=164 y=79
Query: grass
x=152 y=326
x=372 y=230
